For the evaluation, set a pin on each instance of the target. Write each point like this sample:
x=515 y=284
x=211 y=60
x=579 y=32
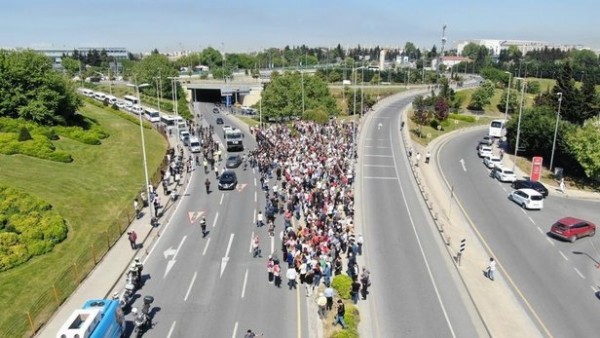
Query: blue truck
x=98 y=318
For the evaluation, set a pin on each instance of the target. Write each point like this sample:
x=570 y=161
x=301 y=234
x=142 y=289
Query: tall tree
x=571 y=100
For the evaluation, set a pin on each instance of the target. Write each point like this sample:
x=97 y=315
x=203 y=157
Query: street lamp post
x=555 y=130
x=137 y=89
x=523 y=84
x=507 y=97
x=175 y=106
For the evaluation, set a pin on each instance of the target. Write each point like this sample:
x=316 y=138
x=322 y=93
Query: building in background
x=119 y=53
x=496 y=46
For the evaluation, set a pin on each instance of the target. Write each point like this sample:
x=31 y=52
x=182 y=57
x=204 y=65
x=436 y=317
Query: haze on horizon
x=233 y=26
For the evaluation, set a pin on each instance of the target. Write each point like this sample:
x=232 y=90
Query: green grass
x=93 y=194
x=429 y=134
x=492 y=107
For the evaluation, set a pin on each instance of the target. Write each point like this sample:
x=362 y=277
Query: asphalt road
x=416 y=289
x=213 y=287
x=557 y=279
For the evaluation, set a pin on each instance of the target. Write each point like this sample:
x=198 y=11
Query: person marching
x=207 y=184
x=203 y=226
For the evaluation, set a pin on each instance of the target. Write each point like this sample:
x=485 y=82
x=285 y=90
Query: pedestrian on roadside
x=132 y=239
x=203 y=226
x=427 y=157
x=359 y=241
x=270 y=265
x=561 y=185
x=417 y=159
x=365 y=282
x=277 y=274
x=321 y=303
x=259 y=219
x=341 y=312
x=216 y=172
x=256 y=247
x=291 y=276
x=308 y=282
x=207 y=184
x=136 y=207
x=355 y=289
x=491 y=269
x=328 y=293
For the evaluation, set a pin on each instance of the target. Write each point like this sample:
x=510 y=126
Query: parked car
x=528 y=184
x=485 y=151
x=120 y=104
x=219 y=120
x=527 y=199
x=233 y=161
x=227 y=180
x=571 y=228
x=505 y=174
x=492 y=161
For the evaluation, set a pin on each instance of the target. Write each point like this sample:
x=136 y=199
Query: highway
x=557 y=279
x=416 y=289
x=212 y=286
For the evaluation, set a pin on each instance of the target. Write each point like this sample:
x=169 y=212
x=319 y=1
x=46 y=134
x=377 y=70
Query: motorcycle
x=126 y=296
x=142 y=320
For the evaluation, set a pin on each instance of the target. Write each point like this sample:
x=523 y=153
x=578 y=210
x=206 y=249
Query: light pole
x=157 y=78
x=174 y=97
x=523 y=84
x=507 y=96
x=137 y=89
x=555 y=129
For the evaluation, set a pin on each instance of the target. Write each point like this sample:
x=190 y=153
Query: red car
x=571 y=228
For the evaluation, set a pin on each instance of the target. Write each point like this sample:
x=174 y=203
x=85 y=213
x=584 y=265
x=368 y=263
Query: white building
x=449 y=61
x=496 y=46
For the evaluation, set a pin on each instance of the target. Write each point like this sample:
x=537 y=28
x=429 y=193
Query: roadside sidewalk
x=103 y=279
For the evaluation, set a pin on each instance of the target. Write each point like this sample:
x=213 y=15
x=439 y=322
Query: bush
x=28 y=227
x=24 y=134
x=39 y=147
x=352 y=318
x=461 y=117
x=342 y=284
x=434 y=124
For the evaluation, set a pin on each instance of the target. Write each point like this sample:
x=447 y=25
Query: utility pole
x=441 y=54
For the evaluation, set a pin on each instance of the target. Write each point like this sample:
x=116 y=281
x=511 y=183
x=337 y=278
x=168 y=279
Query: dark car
x=528 y=184
x=571 y=228
x=233 y=161
x=227 y=180
x=219 y=120
x=216 y=110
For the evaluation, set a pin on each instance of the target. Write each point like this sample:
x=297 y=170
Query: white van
x=99 y=96
x=87 y=92
x=111 y=99
x=195 y=146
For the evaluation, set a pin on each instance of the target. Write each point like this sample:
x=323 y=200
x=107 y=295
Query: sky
x=246 y=26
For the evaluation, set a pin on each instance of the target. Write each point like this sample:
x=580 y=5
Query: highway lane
x=416 y=289
x=194 y=299
x=558 y=285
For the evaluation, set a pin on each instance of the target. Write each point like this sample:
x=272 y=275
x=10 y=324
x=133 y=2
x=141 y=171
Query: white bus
x=151 y=115
x=167 y=120
x=497 y=128
x=130 y=98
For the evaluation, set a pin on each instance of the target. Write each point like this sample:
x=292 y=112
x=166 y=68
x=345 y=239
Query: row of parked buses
x=129 y=103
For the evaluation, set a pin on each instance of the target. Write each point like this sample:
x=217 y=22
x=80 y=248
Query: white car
x=485 y=151
x=137 y=110
x=505 y=175
x=120 y=104
x=492 y=161
x=527 y=198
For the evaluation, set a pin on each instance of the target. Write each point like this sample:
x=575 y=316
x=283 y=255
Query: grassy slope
x=99 y=184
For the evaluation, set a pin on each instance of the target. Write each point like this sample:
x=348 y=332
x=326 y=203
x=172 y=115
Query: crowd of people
x=307 y=171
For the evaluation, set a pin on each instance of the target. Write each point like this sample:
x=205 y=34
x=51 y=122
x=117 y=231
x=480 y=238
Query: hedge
x=39 y=147
x=28 y=227
x=343 y=285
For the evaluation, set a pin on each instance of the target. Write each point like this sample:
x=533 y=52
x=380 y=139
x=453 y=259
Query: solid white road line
x=171 y=329
x=378 y=165
x=222 y=196
x=563 y=255
x=422 y=250
x=245 y=281
x=205 y=247
x=579 y=273
x=215 y=220
x=235 y=327
x=187 y=294
x=272 y=244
